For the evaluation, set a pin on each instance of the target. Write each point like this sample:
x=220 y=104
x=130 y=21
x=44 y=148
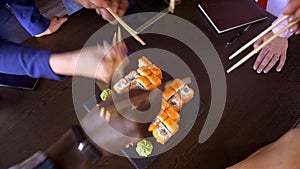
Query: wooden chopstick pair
x=125 y=26
x=133 y=33
x=256 y=50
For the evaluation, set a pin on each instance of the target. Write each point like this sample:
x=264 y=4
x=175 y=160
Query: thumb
x=287 y=10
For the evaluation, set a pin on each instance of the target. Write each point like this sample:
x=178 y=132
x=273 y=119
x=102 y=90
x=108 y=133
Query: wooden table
x=259 y=108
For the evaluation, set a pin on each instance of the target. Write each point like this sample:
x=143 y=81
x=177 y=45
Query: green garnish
x=144 y=148
x=105 y=94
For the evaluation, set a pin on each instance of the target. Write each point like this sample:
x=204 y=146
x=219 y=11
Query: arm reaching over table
x=98 y=62
x=276 y=51
x=281 y=154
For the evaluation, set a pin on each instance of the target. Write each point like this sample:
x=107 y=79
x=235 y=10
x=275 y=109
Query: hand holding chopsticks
x=256 y=50
x=125 y=26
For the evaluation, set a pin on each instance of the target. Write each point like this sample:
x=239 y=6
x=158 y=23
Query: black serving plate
x=143 y=162
x=130 y=153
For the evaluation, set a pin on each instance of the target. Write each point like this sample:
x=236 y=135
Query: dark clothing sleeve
x=29 y=16
x=18 y=59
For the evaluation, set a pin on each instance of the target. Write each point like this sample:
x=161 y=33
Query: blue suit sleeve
x=21 y=60
x=71 y=6
x=29 y=16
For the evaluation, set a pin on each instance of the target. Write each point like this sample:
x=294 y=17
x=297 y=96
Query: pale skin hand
x=97 y=62
x=267 y=56
x=118 y=6
x=281 y=154
x=293 y=9
x=55 y=23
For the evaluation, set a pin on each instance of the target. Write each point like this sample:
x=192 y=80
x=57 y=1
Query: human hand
x=55 y=23
x=118 y=6
x=113 y=57
x=293 y=9
x=272 y=53
x=281 y=154
x=96 y=62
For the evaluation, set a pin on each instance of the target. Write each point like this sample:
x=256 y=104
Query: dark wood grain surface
x=259 y=108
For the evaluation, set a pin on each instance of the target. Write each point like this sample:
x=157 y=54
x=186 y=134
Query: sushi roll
x=135 y=85
x=155 y=70
x=154 y=79
x=143 y=61
x=144 y=71
x=162 y=115
x=161 y=134
x=176 y=102
x=164 y=104
x=186 y=93
x=177 y=84
x=121 y=86
x=171 y=125
x=143 y=80
x=165 y=130
x=150 y=87
x=168 y=93
x=132 y=76
x=174 y=115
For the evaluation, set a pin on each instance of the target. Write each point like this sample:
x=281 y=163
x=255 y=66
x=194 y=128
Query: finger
x=123 y=48
x=120 y=59
x=101 y=49
x=116 y=56
x=273 y=61
x=123 y=5
x=114 y=5
x=114 y=41
x=101 y=113
x=110 y=51
x=107 y=115
x=98 y=11
x=264 y=62
x=258 y=42
x=291 y=8
x=259 y=58
x=294 y=28
x=121 y=43
x=106 y=46
x=281 y=63
x=107 y=16
x=119 y=34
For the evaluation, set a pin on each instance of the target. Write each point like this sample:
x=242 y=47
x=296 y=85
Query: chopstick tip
x=229 y=70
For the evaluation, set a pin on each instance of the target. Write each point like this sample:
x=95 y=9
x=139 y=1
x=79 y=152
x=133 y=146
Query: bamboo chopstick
x=152 y=20
x=125 y=26
x=257 y=37
x=244 y=59
x=172 y=6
